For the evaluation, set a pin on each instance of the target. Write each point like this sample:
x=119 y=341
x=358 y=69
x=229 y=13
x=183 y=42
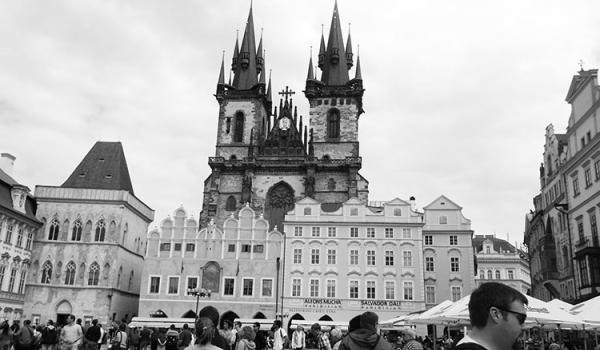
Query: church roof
x=335 y=71
x=104 y=167
x=500 y=245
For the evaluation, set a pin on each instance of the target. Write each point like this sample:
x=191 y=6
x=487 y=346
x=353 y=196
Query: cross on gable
x=286 y=92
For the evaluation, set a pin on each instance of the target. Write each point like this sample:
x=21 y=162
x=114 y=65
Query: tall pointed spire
x=311 y=74
x=246 y=72
x=335 y=73
x=349 y=54
x=260 y=60
x=358 y=75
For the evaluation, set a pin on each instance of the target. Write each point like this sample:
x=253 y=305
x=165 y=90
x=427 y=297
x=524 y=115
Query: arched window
x=230 y=205
x=333 y=123
x=94 y=274
x=46 y=273
x=130 y=284
x=481 y=274
x=77 y=229
x=307 y=211
x=100 y=231
x=489 y=274
x=70 y=273
x=54 y=230
x=238 y=129
x=119 y=276
x=497 y=274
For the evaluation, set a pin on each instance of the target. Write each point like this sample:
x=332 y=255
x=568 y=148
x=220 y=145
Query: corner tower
x=335 y=99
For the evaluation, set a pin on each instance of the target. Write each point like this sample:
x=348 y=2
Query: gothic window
x=228 y=122
x=333 y=123
x=238 y=130
x=331 y=184
x=119 y=276
x=230 y=205
x=280 y=200
x=54 y=230
x=77 y=229
x=100 y=231
x=94 y=274
x=70 y=273
x=130 y=283
x=46 y=273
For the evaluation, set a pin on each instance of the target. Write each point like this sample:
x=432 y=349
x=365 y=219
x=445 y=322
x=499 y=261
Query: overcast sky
x=458 y=93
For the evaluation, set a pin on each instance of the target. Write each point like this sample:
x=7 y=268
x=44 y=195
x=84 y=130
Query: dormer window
x=81 y=174
x=108 y=176
x=19 y=196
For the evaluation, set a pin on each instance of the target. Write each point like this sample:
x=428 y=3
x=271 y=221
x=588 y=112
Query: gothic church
x=271 y=158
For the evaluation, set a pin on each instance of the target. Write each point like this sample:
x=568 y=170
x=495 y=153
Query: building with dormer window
x=18 y=226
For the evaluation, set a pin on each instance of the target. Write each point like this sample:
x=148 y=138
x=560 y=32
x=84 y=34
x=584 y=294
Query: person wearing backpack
x=49 y=336
x=92 y=335
x=24 y=337
x=172 y=338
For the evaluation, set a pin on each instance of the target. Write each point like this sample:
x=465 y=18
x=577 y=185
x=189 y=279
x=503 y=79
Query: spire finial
x=222 y=71
x=580 y=63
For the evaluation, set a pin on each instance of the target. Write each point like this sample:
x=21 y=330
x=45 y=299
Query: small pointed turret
x=236 y=53
x=269 y=98
x=260 y=61
x=311 y=74
x=349 y=54
x=322 y=50
x=358 y=75
x=246 y=75
x=222 y=71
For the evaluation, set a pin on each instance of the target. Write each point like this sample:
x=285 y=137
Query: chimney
x=7 y=162
x=412 y=203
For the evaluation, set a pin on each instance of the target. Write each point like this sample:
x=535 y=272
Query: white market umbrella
x=589 y=312
x=560 y=304
x=432 y=316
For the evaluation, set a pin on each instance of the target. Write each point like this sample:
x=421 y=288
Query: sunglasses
x=521 y=317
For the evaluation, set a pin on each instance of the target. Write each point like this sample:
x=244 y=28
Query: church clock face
x=284 y=123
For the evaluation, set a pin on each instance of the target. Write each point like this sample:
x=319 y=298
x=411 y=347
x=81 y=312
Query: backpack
x=49 y=336
x=172 y=341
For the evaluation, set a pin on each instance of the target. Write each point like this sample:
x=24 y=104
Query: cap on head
x=354 y=323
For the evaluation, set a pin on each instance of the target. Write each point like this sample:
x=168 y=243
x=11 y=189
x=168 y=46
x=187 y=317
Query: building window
x=389 y=232
x=397 y=212
x=314 y=288
x=93 y=275
x=258 y=248
x=228 y=286
x=511 y=274
x=130 y=282
x=389 y=258
x=575 y=186
x=177 y=247
x=489 y=274
x=165 y=247
x=353 y=232
x=353 y=257
x=173 y=285
x=333 y=124
x=314 y=256
x=428 y=240
x=29 y=240
x=190 y=247
x=297 y=256
x=406 y=233
x=594 y=226
x=370 y=289
x=192 y=282
x=247 y=287
x=331 y=232
x=585 y=280
x=587 y=175
x=407 y=258
x=429 y=294
x=596 y=169
x=443 y=220
x=316 y=232
x=429 y=265
x=245 y=248
x=298 y=231
x=370 y=257
x=70 y=273
x=267 y=288
x=454 y=264
x=390 y=290
x=331 y=288
x=100 y=231
x=296 y=283
x=231 y=248
x=238 y=128
x=408 y=290
x=11 y=282
x=481 y=274
x=353 y=211
x=230 y=204
x=22 y=282
x=46 y=273
x=453 y=240
x=331 y=256
x=497 y=274
x=52 y=235
x=370 y=232
x=487 y=249
x=580 y=232
x=353 y=290
x=154 y=285
x=19 y=237
x=456 y=293
x=307 y=211
x=77 y=230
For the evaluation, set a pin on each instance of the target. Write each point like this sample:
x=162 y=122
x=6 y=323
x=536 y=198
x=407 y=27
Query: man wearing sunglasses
x=497 y=313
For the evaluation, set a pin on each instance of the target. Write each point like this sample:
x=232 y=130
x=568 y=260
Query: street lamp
x=199 y=293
